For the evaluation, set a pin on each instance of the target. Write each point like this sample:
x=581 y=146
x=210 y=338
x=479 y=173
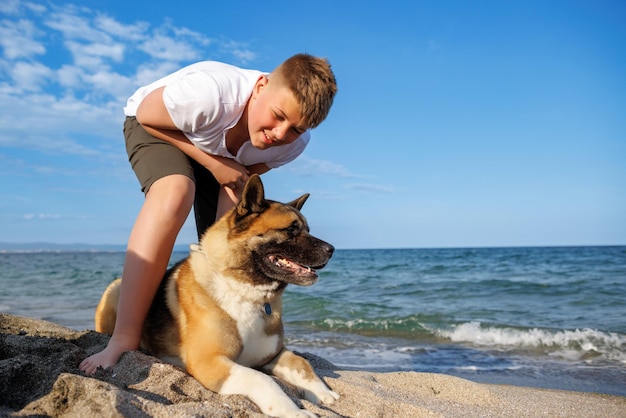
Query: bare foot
x=105 y=358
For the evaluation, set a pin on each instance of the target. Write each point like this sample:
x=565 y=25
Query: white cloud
x=239 y=50
x=40 y=216
x=10 y=7
x=50 y=145
x=371 y=188
x=134 y=32
x=70 y=76
x=244 y=55
x=30 y=76
x=65 y=74
x=147 y=73
x=17 y=39
x=166 y=48
x=75 y=27
x=51 y=216
x=192 y=35
x=69 y=108
x=45 y=115
x=114 y=84
x=37 y=8
x=306 y=166
x=96 y=85
x=95 y=55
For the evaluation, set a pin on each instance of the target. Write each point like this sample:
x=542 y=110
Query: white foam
x=567 y=344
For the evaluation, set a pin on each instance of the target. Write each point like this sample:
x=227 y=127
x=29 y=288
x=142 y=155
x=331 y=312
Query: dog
x=218 y=312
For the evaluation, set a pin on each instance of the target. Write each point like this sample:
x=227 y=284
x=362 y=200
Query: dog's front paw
x=321 y=395
x=329 y=397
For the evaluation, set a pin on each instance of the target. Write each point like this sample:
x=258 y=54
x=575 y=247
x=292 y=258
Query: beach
x=39 y=377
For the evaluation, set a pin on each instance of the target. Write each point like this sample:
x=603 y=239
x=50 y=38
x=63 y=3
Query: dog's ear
x=252 y=198
x=299 y=202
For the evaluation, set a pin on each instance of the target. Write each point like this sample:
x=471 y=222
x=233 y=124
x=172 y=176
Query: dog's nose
x=329 y=249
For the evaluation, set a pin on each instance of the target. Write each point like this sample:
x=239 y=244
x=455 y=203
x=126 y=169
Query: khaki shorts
x=153 y=158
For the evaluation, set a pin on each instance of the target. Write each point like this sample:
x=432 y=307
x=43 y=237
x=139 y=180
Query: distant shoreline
x=48 y=247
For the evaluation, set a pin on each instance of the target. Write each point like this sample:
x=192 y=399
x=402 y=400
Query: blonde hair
x=312 y=82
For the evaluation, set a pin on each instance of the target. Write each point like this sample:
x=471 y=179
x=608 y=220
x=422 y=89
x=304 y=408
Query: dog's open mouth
x=295 y=273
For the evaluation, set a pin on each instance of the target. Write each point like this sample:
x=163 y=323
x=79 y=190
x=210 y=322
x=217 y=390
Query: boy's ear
x=261 y=83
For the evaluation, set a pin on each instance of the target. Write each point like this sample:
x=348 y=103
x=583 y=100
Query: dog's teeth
x=281 y=262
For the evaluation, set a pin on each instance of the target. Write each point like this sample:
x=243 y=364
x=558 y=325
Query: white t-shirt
x=205 y=100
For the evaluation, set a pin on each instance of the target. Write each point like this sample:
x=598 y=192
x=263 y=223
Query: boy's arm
x=155 y=119
x=229 y=197
x=259 y=168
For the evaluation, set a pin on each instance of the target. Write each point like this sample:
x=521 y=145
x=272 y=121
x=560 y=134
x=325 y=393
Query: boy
x=195 y=136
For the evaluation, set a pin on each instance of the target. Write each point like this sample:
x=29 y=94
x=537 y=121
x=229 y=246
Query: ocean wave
x=587 y=345
x=578 y=344
x=392 y=326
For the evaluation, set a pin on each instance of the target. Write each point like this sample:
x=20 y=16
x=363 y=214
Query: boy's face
x=273 y=115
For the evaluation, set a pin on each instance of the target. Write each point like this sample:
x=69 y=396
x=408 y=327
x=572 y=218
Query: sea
x=546 y=317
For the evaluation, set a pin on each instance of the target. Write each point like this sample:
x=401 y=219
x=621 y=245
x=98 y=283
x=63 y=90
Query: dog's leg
x=229 y=378
x=296 y=370
x=106 y=312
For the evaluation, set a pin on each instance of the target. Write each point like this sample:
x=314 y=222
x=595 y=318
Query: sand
x=39 y=377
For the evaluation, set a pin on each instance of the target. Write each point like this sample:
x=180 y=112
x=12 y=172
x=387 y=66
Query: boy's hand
x=229 y=173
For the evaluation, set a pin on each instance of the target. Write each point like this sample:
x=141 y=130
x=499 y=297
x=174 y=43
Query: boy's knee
x=175 y=193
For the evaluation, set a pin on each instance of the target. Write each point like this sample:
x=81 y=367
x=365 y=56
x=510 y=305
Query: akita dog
x=218 y=312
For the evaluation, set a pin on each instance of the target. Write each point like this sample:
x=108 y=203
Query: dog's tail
x=106 y=312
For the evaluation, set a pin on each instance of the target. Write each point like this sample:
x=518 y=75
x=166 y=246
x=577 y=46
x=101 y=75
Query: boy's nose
x=280 y=132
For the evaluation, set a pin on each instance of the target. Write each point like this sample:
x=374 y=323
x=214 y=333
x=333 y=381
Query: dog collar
x=267 y=308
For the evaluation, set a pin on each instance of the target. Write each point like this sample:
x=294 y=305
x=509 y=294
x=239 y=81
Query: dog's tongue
x=287 y=264
x=304 y=275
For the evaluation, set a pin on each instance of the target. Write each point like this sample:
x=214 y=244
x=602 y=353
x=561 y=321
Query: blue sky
x=457 y=123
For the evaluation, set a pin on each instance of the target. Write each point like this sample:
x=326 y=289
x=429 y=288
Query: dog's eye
x=293 y=230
